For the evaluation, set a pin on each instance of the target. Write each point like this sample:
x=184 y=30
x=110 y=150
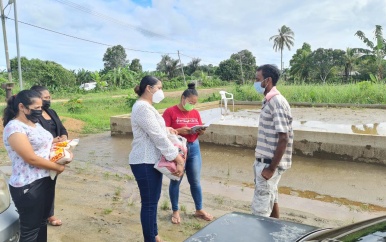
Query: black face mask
x=34 y=115
x=46 y=104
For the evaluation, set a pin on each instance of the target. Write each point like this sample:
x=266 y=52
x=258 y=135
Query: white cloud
x=210 y=30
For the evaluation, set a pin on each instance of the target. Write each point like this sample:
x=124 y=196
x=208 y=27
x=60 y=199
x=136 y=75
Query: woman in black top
x=51 y=122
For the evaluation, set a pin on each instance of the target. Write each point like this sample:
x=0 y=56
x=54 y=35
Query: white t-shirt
x=41 y=141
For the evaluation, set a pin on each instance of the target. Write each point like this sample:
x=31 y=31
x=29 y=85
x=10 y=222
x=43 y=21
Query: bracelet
x=180 y=163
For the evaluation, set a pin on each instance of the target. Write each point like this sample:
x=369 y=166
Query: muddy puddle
x=340 y=182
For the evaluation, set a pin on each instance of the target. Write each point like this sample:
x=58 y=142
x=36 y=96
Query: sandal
x=54 y=221
x=205 y=216
x=176 y=219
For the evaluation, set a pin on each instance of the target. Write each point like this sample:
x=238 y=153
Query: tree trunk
x=281 y=59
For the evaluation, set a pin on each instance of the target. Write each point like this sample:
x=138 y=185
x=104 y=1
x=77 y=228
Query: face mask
x=46 y=104
x=34 y=115
x=158 y=96
x=258 y=87
x=188 y=106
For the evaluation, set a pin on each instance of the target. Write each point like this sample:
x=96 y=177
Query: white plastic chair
x=225 y=96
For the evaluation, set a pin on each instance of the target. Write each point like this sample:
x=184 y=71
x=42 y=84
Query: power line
x=196 y=58
x=111 y=19
x=91 y=41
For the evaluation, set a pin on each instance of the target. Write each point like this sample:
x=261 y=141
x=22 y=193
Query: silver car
x=9 y=218
x=246 y=227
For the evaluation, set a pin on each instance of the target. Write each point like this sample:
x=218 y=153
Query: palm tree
x=350 y=59
x=300 y=66
x=171 y=68
x=193 y=65
x=376 y=51
x=284 y=38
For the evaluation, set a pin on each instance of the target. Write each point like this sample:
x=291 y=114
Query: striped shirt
x=275 y=118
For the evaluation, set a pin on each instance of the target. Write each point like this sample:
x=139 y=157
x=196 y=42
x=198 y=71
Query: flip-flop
x=176 y=220
x=54 y=222
x=205 y=216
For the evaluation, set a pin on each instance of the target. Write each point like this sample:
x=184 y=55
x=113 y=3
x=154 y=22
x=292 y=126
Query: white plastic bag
x=168 y=167
x=60 y=153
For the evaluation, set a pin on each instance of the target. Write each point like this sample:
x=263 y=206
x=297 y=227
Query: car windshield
x=375 y=232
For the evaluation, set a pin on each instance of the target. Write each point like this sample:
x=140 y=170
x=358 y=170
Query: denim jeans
x=149 y=182
x=33 y=203
x=193 y=172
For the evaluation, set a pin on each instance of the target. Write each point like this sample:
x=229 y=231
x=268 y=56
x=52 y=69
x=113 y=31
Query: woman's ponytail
x=11 y=110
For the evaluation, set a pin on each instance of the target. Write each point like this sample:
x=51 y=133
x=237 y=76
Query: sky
x=211 y=30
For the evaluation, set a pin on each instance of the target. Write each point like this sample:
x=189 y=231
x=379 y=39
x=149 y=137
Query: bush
x=74 y=105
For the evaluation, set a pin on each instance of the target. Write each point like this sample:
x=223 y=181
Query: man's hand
x=267 y=173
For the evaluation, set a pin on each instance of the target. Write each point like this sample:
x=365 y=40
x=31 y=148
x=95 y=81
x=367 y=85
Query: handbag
x=168 y=167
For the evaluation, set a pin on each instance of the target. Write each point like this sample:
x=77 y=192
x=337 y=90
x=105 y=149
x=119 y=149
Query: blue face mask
x=258 y=87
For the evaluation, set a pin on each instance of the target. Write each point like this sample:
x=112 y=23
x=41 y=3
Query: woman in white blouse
x=28 y=145
x=150 y=142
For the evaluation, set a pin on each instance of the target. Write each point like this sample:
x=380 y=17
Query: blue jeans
x=149 y=182
x=193 y=172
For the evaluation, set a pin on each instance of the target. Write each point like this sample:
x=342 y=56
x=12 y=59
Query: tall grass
x=95 y=113
x=359 y=93
x=97 y=110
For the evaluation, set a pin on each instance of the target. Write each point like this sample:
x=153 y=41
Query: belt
x=264 y=160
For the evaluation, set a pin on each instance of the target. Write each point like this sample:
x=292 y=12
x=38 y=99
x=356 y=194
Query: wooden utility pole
x=182 y=68
x=5 y=42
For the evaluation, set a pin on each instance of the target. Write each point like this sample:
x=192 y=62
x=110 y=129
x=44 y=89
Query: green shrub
x=74 y=105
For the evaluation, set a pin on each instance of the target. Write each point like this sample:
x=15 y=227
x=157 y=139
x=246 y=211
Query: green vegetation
x=95 y=109
x=107 y=211
x=360 y=93
x=94 y=112
x=356 y=236
x=165 y=205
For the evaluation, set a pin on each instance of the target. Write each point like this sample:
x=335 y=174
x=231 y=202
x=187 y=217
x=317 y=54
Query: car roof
x=247 y=227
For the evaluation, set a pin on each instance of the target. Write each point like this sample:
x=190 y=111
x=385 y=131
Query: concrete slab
x=343 y=140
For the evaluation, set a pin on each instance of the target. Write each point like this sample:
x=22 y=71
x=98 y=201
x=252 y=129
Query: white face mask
x=158 y=96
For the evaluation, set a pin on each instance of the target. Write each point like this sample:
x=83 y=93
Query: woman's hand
x=180 y=169
x=180 y=163
x=62 y=138
x=201 y=131
x=184 y=130
x=60 y=169
x=59 y=139
x=56 y=140
x=171 y=130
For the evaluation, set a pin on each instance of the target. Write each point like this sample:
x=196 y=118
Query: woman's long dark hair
x=39 y=89
x=147 y=80
x=25 y=97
